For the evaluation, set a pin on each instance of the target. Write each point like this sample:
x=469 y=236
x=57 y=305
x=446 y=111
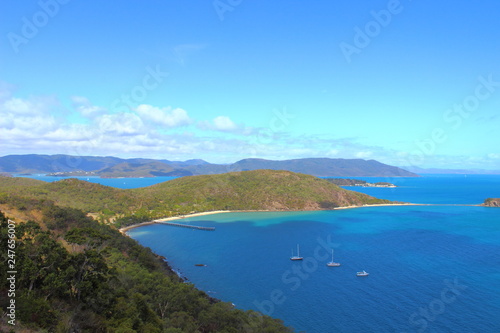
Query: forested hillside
x=247 y=190
x=77 y=275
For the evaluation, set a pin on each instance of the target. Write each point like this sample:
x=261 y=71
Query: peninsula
x=270 y=190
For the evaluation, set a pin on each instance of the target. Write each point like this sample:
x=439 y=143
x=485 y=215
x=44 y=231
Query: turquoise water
x=432 y=268
x=436 y=189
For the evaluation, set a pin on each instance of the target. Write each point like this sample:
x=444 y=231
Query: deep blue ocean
x=432 y=268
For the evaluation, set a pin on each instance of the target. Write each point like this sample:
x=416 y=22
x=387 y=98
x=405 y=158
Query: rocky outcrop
x=492 y=202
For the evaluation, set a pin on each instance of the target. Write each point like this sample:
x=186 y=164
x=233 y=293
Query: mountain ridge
x=320 y=167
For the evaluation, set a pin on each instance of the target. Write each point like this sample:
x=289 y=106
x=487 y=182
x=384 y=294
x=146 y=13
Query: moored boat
x=333 y=263
x=297 y=257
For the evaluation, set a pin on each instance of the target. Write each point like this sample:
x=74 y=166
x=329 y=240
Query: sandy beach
x=173 y=218
x=380 y=205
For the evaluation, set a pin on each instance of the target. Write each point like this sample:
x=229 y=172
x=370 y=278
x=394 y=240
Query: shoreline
x=173 y=218
x=181 y=217
x=381 y=205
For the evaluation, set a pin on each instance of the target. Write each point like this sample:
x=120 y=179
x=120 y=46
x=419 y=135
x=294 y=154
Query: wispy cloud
x=225 y=124
x=85 y=107
x=166 y=116
x=184 y=51
x=36 y=125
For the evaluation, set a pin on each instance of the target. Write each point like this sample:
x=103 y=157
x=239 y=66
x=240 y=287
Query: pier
x=182 y=225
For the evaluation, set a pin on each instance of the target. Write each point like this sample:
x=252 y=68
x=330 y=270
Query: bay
x=432 y=268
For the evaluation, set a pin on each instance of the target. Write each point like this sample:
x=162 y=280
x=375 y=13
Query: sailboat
x=332 y=263
x=297 y=257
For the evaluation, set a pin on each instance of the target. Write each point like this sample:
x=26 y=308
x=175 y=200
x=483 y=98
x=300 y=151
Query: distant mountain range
x=422 y=171
x=67 y=165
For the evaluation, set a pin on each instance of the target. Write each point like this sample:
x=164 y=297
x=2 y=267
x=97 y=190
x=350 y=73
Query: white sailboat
x=297 y=257
x=332 y=263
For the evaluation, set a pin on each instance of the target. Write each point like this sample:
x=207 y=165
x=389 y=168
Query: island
x=358 y=182
x=491 y=202
x=77 y=173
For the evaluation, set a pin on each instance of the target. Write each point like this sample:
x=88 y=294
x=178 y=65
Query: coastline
x=180 y=217
x=173 y=218
x=380 y=205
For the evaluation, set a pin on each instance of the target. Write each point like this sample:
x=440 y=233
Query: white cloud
x=494 y=156
x=86 y=109
x=163 y=116
x=120 y=124
x=223 y=123
x=364 y=154
x=332 y=152
x=26 y=117
x=31 y=125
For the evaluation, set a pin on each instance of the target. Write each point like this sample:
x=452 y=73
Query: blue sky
x=403 y=82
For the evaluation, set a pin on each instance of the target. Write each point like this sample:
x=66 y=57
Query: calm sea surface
x=114 y=182
x=432 y=268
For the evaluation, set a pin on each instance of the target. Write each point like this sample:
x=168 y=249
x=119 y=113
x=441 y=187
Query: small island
x=491 y=202
x=358 y=182
x=78 y=173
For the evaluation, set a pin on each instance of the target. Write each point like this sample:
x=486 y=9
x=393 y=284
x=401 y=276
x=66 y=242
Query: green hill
x=247 y=190
x=74 y=274
x=255 y=190
x=71 y=192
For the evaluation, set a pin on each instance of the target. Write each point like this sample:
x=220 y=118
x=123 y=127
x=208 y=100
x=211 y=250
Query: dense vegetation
x=77 y=275
x=247 y=190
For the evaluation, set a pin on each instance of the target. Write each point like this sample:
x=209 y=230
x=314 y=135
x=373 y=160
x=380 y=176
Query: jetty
x=182 y=225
